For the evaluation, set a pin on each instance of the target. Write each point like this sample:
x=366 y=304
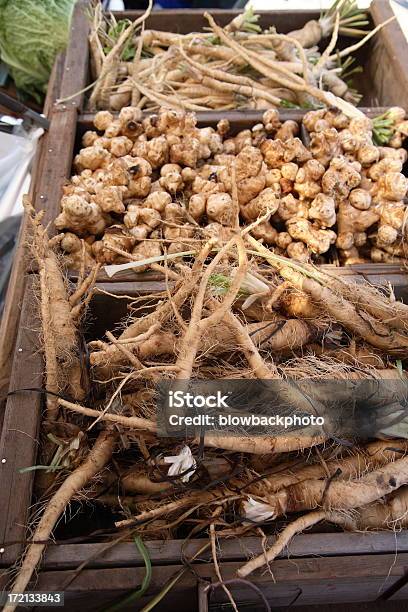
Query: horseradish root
x=238 y=66
x=325 y=354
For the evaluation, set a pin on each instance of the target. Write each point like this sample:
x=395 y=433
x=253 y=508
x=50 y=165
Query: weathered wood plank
x=388 y=68
x=57 y=163
x=192 y=20
x=128 y=282
x=75 y=75
x=297 y=582
x=18 y=442
x=239 y=119
x=15 y=291
x=170 y=552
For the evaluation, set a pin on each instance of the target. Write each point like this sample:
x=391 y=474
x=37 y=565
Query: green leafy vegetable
x=32 y=33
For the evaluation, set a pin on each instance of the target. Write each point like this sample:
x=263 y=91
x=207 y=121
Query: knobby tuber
x=150 y=186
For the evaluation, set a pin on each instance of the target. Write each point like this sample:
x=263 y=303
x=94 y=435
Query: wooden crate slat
x=388 y=68
x=75 y=73
x=18 y=442
x=15 y=291
x=192 y=20
x=128 y=282
x=297 y=582
x=239 y=119
x=57 y=163
x=169 y=552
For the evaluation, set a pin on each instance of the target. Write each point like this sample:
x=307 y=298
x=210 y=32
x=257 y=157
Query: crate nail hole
x=3 y=460
x=2 y=550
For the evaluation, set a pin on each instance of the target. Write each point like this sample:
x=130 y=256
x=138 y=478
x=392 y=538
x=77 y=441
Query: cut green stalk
x=167 y=587
x=350 y=17
x=157 y=599
x=274 y=259
x=398 y=365
x=383 y=129
x=113 y=34
x=146 y=580
x=33 y=468
x=220 y=283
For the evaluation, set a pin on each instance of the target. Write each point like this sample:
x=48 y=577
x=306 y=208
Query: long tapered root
x=98 y=457
x=302 y=523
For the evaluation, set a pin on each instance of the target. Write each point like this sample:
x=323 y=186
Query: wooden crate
x=323 y=567
x=384 y=58
x=15 y=291
x=380 y=274
x=69 y=121
x=320 y=567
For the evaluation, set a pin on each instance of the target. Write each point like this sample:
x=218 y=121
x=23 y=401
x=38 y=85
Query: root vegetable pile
x=227 y=316
x=237 y=66
x=159 y=185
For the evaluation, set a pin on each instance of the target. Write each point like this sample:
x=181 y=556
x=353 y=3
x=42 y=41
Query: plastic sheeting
x=16 y=154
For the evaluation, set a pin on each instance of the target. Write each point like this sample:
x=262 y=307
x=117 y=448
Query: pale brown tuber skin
x=163 y=174
x=170 y=178
x=81 y=216
x=197 y=205
x=120 y=146
x=140 y=221
x=383 y=167
x=288 y=129
x=351 y=221
x=91 y=157
x=325 y=145
x=110 y=199
x=341 y=177
x=219 y=208
x=146 y=249
x=271 y=120
x=266 y=233
x=276 y=152
x=290 y=207
x=102 y=120
x=298 y=251
x=307 y=180
x=265 y=202
x=157 y=200
x=323 y=210
x=117 y=237
x=318 y=240
x=360 y=198
x=89 y=138
x=78 y=252
x=391 y=186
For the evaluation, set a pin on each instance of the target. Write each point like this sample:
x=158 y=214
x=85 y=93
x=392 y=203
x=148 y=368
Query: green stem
x=146 y=580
